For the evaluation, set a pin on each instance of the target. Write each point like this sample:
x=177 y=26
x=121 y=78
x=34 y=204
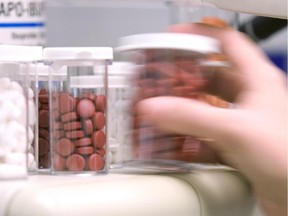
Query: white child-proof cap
x=77 y=53
x=20 y=53
x=173 y=41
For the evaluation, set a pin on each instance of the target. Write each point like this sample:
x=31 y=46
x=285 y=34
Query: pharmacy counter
x=217 y=192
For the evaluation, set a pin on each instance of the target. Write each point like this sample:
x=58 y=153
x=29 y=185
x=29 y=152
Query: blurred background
x=101 y=23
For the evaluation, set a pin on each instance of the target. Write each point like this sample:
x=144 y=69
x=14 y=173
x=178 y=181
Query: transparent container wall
x=161 y=72
x=13 y=121
x=78 y=119
x=186 y=11
x=119 y=119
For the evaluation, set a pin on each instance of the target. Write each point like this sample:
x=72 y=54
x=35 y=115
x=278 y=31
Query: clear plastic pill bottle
x=18 y=120
x=120 y=94
x=168 y=64
x=78 y=112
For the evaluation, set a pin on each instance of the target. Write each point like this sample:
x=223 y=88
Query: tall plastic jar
x=167 y=64
x=187 y=11
x=17 y=106
x=78 y=114
x=120 y=96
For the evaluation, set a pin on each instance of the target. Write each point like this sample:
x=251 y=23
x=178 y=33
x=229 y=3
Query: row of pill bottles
x=168 y=64
x=76 y=98
x=18 y=122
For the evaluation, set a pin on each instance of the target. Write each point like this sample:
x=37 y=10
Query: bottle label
x=22 y=22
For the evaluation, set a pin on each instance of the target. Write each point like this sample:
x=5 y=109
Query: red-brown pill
x=99 y=120
x=86 y=141
x=66 y=103
x=71 y=116
x=43 y=146
x=64 y=147
x=72 y=126
x=57 y=134
x=44 y=133
x=75 y=162
x=98 y=139
x=59 y=162
x=86 y=150
x=101 y=151
x=44 y=119
x=88 y=95
x=44 y=98
x=77 y=134
x=100 y=103
x=87 y=126
x=96 y=162
x=85 y=108
x=44 y=161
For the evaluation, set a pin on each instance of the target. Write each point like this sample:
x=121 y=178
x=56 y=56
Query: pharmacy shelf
x=207 y=192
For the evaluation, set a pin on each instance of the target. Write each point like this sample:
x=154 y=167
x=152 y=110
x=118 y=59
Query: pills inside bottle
x=167 y=64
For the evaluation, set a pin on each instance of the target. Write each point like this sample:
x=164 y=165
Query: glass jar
x=168 y=64
x=78 y=113
x=17 y=107
x=187 y=11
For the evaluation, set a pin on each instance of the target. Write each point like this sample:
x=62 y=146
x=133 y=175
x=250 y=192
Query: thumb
x=185 y=116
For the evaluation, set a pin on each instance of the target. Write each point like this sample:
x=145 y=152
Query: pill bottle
x=120 y=95
x=187 y=11
x=17 y=108
x=168 y=64
x=78 y=114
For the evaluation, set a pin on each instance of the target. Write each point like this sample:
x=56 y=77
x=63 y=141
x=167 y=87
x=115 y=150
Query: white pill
x=30 y=137
x=4 y=83
x=15 y=158
x=32 y=112
x=16 y=86
x=30 y=93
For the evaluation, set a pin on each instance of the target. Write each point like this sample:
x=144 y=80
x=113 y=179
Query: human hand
x=251 y=138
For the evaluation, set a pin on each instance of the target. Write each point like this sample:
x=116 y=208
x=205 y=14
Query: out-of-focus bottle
x=168 y=64
x=23 y=22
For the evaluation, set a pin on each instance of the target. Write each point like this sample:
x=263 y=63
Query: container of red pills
x=167 y=64
x=78 y=126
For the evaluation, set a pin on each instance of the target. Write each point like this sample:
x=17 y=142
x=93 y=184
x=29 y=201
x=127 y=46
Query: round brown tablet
x=72 y=126
x=85 y=108
x=100 y=103
x=101 y=151
x=43 y=91
x=43 y=146
x=95 y=162
x=44 y=161
x=98 y=139
x=44 y=119
x=59 y=162
x=44 y=98
x=86 y=150
x=86 y=141
x=99 y=120
x=88 y=95
x=44 y=133
x=64 y=147
x=71 y=116
x=87 y=126
x=57 y=134
x=77 y=134
x=75 y=162
x=66 y=103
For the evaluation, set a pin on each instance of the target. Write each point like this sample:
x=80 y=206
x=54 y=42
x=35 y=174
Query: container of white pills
x=17 y=111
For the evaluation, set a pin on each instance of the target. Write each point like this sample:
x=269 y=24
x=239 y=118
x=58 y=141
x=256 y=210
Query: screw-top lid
x=20 y=53
x=175 y=41
x=77 y=53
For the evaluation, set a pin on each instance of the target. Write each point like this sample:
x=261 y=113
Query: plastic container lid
x=20 y=53
x=87 y=82
x=77 y=53
x=175 y=41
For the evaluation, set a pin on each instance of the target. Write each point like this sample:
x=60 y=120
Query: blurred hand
x=252 y=137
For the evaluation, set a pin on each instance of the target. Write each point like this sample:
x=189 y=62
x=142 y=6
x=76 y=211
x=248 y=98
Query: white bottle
x=22 y=22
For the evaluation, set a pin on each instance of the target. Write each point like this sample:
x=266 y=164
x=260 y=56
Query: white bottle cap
x=77 y=53
x=20 y=53
x=173 y=41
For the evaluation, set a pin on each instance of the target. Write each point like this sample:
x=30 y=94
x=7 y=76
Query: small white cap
x=175 y=41
x=77 y=53
x=19 y=53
